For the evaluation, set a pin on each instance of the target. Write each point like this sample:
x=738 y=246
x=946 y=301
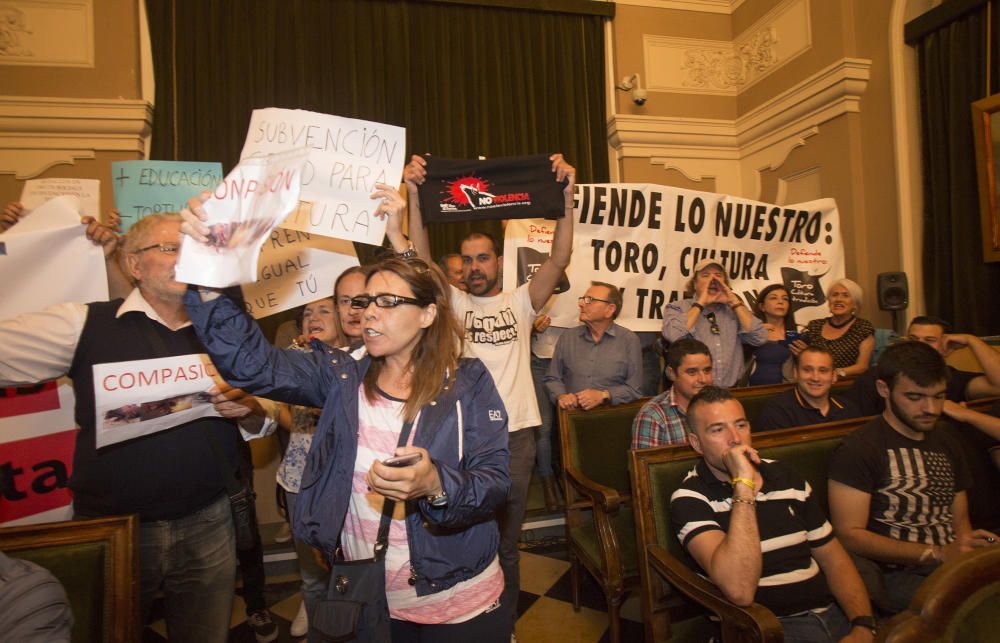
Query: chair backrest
x=595 y=443
x=97 y=562
x=958 y=602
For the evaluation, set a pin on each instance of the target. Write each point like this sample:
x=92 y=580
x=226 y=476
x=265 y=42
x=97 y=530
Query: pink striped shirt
x=379 y=425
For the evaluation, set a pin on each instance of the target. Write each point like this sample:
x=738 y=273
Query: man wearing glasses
x=175 y=479
x=598 y=362
x=716 y=316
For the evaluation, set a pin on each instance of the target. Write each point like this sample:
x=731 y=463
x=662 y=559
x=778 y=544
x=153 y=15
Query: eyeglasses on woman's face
x=384 y=300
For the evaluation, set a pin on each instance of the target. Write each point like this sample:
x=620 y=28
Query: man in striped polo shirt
x=754 y=528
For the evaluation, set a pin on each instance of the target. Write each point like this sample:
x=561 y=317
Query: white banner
x=646 y=239
x=137 y=398
x=347 y=157
x=296 y=268
x=251 y=202
x=47 y=259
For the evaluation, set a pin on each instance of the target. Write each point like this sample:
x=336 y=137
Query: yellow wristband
x=747 y=482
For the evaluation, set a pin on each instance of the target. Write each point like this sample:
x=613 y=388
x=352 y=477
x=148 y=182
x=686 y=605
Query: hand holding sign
x=391 y=208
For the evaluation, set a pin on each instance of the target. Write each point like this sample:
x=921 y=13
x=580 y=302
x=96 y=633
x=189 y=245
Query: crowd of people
x=413 y=434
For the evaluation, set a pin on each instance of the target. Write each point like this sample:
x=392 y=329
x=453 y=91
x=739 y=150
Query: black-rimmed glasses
x=165 y=248
x=384 y=300
x=587 y=299
x=714 y=324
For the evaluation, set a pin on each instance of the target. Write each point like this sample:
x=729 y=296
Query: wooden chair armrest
x=754 y=619
x=607 y=498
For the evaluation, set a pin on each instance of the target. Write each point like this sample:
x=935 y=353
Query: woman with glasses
x=717 y=317
x=442 y=575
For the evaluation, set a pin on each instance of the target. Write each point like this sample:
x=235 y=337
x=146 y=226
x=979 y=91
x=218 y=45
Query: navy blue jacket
x=464 y=431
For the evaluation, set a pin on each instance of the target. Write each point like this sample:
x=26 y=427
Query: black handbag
x=355 y=608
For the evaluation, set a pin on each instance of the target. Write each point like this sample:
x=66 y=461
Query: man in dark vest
x=175 y=479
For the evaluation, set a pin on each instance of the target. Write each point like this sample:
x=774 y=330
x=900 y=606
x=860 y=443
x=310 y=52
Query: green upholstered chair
x=600 y=529
x=663 y=563
x=97 y=562
x=958 y=603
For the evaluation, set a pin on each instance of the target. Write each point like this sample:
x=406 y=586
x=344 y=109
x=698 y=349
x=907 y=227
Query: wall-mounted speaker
x=893 y=291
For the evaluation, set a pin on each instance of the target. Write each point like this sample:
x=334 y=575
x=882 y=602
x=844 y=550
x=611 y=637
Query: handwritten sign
x=296 y=268
x=150 y=187
x=87 y=191
x=347 y=157
x=242 y=211
x=646 y=239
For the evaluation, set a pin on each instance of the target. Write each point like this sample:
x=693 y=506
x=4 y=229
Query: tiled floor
x=545 y=606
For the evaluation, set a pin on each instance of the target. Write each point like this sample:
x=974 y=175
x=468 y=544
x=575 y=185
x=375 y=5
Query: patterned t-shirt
x=847 y=347
x=912 y=483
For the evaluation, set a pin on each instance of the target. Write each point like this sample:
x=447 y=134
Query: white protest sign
x=133 y=399
x=296 y=268
x=243 y=210
x=48 y=252
x=646 y=239
x=88 y=191
x=347 y=157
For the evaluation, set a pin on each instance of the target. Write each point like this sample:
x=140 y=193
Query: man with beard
x=809 y=401
x=898 y=484
x=714 y=315
x=497 y=327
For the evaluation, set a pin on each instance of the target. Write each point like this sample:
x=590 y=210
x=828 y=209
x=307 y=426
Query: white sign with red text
x=243 y=210
x=133 y=399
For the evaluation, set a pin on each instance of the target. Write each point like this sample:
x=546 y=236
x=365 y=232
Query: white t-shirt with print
x=498 y=331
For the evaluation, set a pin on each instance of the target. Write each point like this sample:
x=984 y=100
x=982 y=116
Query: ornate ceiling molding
x=704 y=6
x=37 y=133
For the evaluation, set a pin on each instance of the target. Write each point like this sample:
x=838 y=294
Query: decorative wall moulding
x=47 y=33
x=39 y=132
x=692 y=66
x=704 y=6
x=736 y=151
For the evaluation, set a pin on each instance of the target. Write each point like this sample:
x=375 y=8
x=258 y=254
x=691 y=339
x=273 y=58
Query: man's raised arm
x=551 y=271
x=414 y=175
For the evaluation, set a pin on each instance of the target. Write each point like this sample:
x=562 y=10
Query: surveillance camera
x=639 y=96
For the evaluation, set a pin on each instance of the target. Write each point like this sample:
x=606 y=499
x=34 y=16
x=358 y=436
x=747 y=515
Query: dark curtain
x=464 y=80
x=960 y=286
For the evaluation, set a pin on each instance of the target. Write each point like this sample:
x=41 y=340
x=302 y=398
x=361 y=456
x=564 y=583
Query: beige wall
x=850 y=155
x=88 y=149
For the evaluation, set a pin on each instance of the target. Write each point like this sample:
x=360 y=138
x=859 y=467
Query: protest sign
x=515 y=187
x=137 y=398
x=37 y=439
x=296 y=268
x=151 y=187
x=347 y=157
x=646 y=239
x=242 y=211
x=88 y=191
x=47 y=254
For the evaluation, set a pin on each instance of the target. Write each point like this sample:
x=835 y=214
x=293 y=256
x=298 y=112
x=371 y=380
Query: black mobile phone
x=407 y=460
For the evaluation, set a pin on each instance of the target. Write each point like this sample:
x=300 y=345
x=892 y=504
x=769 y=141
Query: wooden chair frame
x=121 y=535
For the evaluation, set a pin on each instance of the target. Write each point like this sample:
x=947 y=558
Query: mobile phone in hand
x=407 y=460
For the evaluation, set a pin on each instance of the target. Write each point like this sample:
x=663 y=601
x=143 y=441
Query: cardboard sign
x=347 y=157
x=242 y=211
x=646 y=239
x=151 y=187
x=137 y=398
x=296 y=268
x=87 y=191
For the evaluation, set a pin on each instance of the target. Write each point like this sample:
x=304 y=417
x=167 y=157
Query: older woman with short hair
x=848 y=337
